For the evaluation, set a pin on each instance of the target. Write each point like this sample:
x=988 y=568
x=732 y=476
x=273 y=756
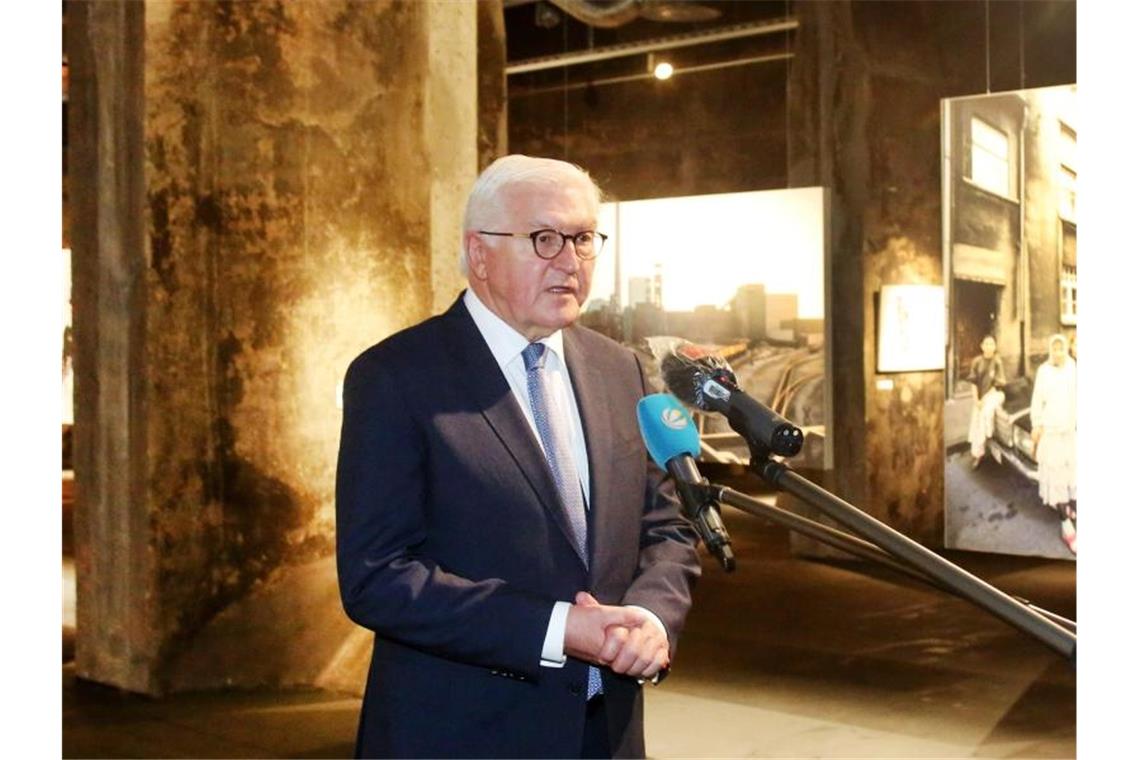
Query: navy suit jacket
x=453 y=547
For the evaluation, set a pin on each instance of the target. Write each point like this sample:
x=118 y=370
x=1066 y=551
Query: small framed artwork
x=912 y=328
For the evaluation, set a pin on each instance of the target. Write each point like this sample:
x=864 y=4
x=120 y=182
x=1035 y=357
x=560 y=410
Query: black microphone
x=707 y=382
x=673 y=441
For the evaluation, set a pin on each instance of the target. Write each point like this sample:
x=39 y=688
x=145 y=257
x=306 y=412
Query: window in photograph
x=1067 y=174
x=1068 y=295
x=989 y=157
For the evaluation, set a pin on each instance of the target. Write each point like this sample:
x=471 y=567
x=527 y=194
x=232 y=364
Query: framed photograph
x=1009 y=193
x=739 y=274
x=912 y=328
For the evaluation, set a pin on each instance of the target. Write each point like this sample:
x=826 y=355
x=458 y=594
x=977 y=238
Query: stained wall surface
x=303 y=175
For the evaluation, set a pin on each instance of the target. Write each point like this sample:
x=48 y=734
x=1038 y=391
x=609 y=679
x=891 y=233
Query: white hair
x=484 y=202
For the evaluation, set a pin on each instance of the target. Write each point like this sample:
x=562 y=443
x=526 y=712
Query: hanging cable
x=1021 y=40
x=565 y=92
x=787 y=101
x=987 y=47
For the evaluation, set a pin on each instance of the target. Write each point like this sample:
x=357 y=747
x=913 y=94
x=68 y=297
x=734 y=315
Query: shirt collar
x=505 y=342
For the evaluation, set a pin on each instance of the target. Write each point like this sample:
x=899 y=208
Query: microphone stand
x=843 y=541
x=888 y=546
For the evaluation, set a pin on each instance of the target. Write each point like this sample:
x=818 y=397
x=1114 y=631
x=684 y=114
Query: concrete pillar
x=492 y=82
x=865 y=122
x=260 y=190
x=828 y=103
x=115 y=567
x=452 y=88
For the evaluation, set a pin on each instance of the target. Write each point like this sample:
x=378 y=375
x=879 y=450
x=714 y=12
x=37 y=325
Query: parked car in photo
x=1012 y=442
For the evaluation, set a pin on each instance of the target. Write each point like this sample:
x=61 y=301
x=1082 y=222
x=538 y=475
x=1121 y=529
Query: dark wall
x=708 y=132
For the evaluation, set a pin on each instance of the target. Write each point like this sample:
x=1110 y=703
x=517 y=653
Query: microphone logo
x=713 y=389
x=674 y=419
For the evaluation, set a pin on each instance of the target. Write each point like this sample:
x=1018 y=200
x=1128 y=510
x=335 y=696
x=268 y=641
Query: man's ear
x=477 y=253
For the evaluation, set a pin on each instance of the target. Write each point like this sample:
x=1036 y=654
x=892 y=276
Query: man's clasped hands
x=624 y=639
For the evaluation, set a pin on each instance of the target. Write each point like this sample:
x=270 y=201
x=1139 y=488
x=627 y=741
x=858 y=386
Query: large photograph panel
x=740 y=274
x=1010 y=231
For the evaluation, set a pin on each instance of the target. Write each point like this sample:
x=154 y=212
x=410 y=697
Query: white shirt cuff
x=553 y=646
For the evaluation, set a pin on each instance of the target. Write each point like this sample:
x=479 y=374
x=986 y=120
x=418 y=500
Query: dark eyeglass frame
x=571 y=238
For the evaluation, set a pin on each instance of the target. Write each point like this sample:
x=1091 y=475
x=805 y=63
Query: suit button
x=575 y=689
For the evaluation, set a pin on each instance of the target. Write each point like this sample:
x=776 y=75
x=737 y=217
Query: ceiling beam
x=673 y=42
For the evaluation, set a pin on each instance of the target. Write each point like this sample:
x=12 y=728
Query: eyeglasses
x=549 y=243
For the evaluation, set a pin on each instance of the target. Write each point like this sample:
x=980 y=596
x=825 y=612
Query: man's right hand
x=586 y=628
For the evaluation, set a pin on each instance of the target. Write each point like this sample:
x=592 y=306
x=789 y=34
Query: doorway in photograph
x=974 y=318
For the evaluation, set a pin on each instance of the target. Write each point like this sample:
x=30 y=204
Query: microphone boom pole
x=957 y=580
x=845 y=542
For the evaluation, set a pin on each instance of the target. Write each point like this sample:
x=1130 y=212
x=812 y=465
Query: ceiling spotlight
x=663 y=70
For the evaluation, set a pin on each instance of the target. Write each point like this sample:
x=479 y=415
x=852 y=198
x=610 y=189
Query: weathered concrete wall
x=492 y=62
x=116 y=580
x=902 y=244
x=828 y=109
x=305 y=167
x=270 y=130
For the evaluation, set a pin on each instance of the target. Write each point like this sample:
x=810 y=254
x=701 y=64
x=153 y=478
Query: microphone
x=673 y=441
x=707 y=382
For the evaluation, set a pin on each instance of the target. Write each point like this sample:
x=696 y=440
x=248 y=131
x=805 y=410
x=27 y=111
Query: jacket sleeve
x=668 y=564
x=387 y=583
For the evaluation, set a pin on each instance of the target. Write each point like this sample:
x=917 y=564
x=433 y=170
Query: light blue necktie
x=554 y=431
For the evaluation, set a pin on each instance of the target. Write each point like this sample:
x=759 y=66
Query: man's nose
x=567 y=259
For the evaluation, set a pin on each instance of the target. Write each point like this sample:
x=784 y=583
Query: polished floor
x=786 y=658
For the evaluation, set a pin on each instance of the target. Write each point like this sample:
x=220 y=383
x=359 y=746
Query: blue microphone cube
x=667 y=428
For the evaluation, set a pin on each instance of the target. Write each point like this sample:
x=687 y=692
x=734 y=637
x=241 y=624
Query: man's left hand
x=640 y=650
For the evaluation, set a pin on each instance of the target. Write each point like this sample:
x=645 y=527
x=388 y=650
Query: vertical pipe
x=951 y=374
x=1022 y=256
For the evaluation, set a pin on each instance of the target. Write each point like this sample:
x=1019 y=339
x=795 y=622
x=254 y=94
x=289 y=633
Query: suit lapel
x=597 y=426
x=492 y=396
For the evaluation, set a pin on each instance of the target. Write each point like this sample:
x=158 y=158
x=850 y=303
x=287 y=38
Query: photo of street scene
x=740 y=274
x=1010 y=239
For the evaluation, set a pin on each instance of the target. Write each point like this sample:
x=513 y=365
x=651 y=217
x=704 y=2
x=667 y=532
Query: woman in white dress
x=1053 y=414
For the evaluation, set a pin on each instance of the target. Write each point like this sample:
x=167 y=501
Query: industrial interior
x=255 y=192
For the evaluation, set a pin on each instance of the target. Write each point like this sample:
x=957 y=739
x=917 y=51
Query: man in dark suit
x=499 y=526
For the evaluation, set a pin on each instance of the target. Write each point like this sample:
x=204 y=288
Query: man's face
x=988 y=348
x=534 y=296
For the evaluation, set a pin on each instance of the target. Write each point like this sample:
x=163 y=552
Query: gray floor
x=784 y=658
x=994 y=508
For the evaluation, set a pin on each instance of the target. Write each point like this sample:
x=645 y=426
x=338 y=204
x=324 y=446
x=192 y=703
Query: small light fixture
x=660 y=69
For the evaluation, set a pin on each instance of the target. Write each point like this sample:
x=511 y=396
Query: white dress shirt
x=507 y=345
